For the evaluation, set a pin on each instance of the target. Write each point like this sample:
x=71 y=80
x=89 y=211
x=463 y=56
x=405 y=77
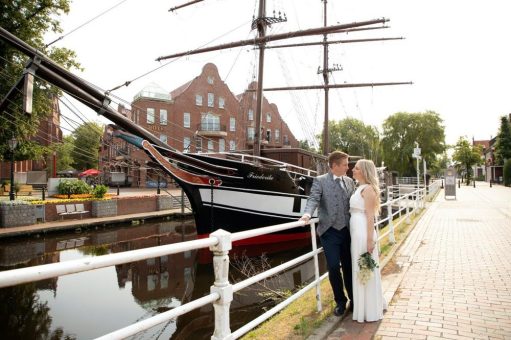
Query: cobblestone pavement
x=454 y=276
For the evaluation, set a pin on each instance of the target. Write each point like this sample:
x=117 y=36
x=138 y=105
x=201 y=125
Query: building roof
x=153 y=91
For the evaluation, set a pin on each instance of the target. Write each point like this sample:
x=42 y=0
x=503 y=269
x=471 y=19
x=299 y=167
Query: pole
x=11 y=191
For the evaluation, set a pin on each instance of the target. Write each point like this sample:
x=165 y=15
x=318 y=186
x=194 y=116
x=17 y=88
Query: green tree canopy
x=29 y=21
x=352 y=136
x=402 y=130
x=466 y=156
x=64 y=151
x=86 y=145
x=503 y=143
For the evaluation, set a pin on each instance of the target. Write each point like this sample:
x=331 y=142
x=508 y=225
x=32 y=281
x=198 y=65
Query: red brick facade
x=202 y=115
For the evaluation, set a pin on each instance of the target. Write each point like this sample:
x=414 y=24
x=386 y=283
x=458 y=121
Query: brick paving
x=454 y=276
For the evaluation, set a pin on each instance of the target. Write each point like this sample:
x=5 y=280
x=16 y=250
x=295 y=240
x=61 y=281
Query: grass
x=300 y=318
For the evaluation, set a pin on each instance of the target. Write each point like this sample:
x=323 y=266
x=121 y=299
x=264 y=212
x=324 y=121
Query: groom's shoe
x=340 y=310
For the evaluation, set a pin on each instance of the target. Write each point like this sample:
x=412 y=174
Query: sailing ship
x=227 y=190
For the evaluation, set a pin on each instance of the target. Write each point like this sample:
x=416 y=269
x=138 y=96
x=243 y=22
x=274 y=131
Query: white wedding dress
x=368 y=301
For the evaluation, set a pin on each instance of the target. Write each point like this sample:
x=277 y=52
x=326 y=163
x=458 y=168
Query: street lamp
x=13 y=142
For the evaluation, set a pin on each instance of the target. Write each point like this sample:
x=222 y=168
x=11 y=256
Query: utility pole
x=417 y=155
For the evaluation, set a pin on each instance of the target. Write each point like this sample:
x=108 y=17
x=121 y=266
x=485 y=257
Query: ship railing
x=245 y=158
x=220 y=242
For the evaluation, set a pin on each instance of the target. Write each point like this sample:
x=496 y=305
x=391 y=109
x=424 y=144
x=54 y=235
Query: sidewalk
x=452 y=277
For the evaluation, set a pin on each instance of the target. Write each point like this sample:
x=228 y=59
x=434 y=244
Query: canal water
x=90 y=304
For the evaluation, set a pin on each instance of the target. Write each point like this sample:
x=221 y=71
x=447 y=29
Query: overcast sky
x=457 y=54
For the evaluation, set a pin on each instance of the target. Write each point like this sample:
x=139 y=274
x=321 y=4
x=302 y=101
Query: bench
x=70 y=209
x=24 y=189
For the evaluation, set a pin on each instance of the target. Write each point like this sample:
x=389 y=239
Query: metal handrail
x=220 y=242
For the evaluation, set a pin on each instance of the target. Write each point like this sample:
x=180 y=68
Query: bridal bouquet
x=366 y=265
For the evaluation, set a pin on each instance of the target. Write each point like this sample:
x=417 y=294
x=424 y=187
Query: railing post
x=182 y=201
x=408 y=220
x=392 y=237
x=221 y=284
x=316 y=267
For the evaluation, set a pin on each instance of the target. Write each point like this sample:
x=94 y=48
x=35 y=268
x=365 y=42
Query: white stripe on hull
x=257 y=203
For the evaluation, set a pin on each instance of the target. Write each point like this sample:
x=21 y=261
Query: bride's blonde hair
x=368 y=170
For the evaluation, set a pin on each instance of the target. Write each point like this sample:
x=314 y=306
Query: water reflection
x=91 y=304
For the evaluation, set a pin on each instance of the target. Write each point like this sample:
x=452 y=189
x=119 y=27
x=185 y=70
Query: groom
x=331 y=193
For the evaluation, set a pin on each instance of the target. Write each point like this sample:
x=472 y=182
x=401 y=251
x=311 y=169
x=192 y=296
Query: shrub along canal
x=90 y=304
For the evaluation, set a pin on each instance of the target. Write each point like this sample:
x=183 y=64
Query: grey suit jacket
x=331 y=201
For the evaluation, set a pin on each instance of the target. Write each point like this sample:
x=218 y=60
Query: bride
x=368 y=300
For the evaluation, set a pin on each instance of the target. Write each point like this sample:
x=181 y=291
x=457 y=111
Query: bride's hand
x=370 y=246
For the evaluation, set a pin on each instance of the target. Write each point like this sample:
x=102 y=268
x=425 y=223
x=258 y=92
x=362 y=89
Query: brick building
x=202 y=115
x=48 y=132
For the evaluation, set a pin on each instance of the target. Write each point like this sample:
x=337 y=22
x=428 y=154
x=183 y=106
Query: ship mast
x=261 y=32
x=325 y=79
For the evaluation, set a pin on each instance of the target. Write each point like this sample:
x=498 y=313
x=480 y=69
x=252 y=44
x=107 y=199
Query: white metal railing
x=220 y=242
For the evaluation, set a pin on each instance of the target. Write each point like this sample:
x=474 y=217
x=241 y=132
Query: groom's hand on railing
x=306 y=218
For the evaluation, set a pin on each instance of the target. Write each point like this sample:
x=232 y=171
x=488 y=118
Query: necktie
x=340 y=183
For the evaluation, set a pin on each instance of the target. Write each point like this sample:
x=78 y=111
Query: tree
x=467 y=156
x=64 y=152
x=352 y=136
x=439 y=164
x=503 y=143
x=402 y=130
x=86 y=145
x=29 y=21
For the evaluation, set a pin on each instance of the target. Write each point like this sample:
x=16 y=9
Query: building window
x=250 y=134
x=221 y=145
x=198 y=100
x=150 y=115
x=164 y=138
x=211 y=148
x=250 y=114
x=186 y=119
x=211 y=99
x=232 y=145
x=186 y=144
x=268 y=117
x=210 y=122
x=268 y=135
x=221 y=102
x=163 y=117
x=232 y=124
x=286 y=140
x=211 y=80
x=277 y=136
x=198 y=144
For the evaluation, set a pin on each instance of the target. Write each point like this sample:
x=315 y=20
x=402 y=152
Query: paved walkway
x=454 y=273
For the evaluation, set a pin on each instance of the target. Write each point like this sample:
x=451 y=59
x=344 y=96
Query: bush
x=99 y=191
x=507 y=173
x=67 y=186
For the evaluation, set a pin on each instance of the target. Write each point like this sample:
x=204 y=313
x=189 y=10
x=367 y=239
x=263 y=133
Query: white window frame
x=268 y=135
x=211 y=99
x=198 y=100
x=163 y=117
x=221 y=145
x=250 y=114
x=250 y=133
x=186 y=119
x=232 y=145
x=150 y=115
x=232 y=124
x=211 y=146
x=164 y=138
x=221 y=102
x=186 y=144
x=211 y=80
x=268 y=117
x=277 y=136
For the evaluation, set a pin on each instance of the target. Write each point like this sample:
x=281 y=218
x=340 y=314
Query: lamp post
x=13 y=142
x=417 y=155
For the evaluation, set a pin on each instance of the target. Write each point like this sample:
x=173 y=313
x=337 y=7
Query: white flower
x=366 y=265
